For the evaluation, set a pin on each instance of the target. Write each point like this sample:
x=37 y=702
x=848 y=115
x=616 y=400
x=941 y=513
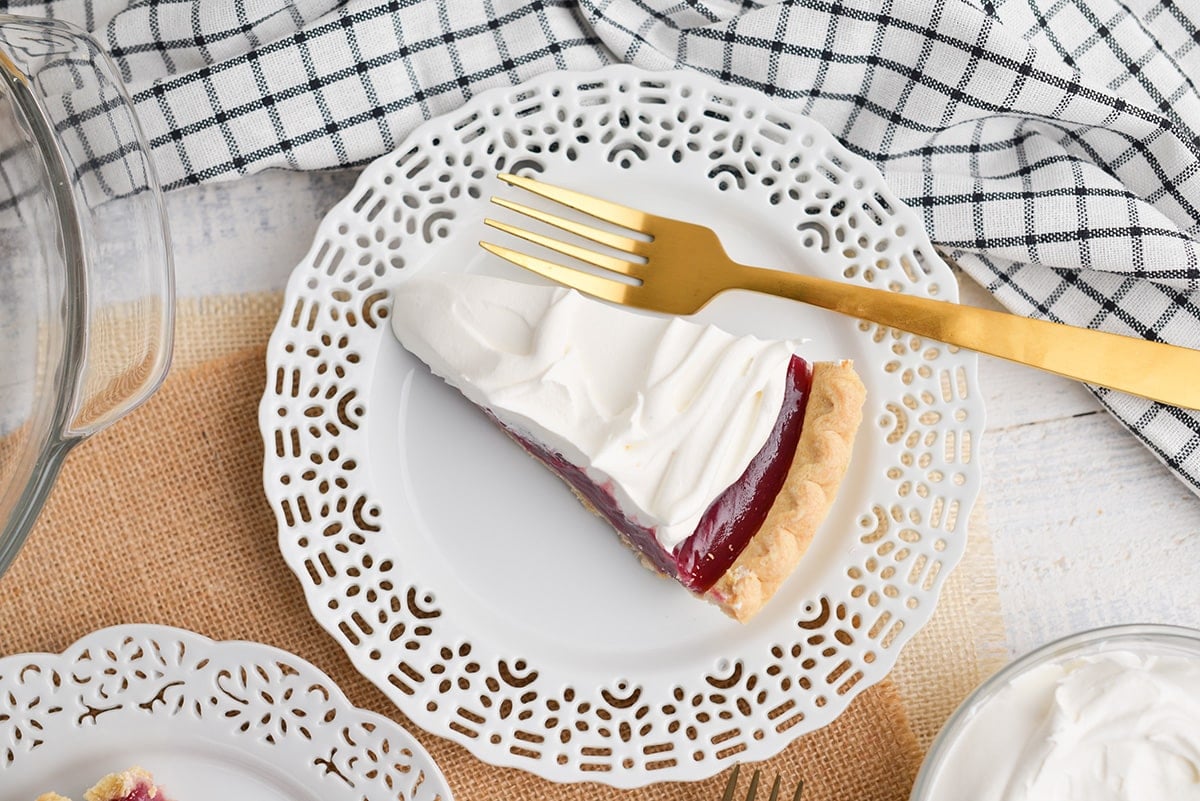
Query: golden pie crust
x=112 y=786
x=831 y=421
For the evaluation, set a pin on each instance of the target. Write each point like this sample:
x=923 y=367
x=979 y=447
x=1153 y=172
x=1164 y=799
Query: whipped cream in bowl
x=1111 y=714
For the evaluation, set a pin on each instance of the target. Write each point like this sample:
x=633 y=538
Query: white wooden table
x=1088 y=527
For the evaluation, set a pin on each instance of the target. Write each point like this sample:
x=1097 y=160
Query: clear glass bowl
x=1141 y=639
x=86 y=279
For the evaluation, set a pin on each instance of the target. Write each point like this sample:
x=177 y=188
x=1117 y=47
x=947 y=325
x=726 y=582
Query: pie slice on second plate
x=134 y=784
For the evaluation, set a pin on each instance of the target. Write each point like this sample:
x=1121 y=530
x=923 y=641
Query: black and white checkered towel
x=1052 y=146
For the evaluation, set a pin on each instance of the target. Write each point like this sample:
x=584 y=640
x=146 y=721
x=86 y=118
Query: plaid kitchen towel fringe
x=1052 y=146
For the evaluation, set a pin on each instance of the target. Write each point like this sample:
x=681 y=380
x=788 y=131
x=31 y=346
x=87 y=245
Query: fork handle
x=1166 y=373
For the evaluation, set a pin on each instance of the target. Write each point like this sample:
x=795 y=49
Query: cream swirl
x=662 y=412
x=1115 y=726
x=1120 y=726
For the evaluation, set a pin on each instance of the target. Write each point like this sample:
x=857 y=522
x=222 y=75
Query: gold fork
x=752 y=791
x=679 y=267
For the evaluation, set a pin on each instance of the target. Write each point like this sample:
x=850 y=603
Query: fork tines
x=629 y=264
x=752 y=790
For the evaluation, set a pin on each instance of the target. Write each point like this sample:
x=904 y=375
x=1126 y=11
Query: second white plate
x=468 y=584
x=210 y=720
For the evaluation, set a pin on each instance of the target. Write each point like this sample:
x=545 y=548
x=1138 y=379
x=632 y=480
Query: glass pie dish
x=1081 y=717
x=86 y=278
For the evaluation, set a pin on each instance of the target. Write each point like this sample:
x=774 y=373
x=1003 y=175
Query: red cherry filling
x=731 y=520
x=140 y=793
x=738 y=513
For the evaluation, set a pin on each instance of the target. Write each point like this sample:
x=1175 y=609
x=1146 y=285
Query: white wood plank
x=246 y=236
x=1088 y=529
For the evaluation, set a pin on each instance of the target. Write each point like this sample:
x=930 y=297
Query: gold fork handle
x=1166 y=373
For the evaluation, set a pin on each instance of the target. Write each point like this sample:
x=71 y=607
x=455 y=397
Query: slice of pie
x=134 y=784
x=715 y=456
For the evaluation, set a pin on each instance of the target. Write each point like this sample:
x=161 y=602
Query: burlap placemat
x=162 y=519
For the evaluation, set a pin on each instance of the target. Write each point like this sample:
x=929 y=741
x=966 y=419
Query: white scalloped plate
x=231 y=720
x=468 y=584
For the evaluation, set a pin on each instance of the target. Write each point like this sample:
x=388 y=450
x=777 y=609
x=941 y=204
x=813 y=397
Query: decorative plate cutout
x=467 y=583
x=209 y=719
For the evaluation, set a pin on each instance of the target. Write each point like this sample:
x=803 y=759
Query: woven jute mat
x=162 y=519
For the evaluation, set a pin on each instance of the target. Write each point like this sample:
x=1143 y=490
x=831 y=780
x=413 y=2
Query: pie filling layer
x=730 y=521
x=140 y=793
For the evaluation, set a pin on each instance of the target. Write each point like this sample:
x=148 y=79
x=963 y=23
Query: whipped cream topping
x=662 y=412
x=1117 y=726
